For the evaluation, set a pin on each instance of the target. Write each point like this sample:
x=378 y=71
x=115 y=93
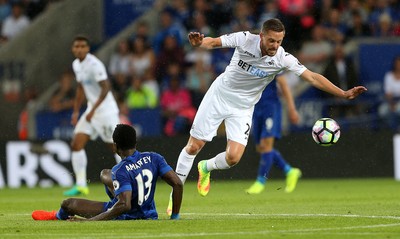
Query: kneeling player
x=130 y=185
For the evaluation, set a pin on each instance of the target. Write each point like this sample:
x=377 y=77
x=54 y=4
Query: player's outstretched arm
x=197 y=39
x=177 y=192
x=322 y=83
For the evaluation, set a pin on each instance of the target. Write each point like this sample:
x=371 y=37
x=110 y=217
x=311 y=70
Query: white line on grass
x=292 y=215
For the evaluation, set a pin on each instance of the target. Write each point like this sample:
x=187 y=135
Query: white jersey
x=249 y=72
x=89 y=73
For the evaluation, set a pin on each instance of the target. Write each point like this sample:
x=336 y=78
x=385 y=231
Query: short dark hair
x=82 y=38
x=273 y=24
x=124 y=137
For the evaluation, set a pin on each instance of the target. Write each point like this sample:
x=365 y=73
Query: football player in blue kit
x=267 y=123
x=130 y=185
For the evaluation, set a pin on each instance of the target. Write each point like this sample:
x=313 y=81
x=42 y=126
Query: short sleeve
x=292 y=64
x=121 y=181
x=233 y=40
x=99 y=71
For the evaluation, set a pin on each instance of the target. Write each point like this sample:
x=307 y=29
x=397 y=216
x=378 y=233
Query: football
x=326 y=132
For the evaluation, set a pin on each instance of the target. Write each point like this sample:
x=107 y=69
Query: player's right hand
x=195 y=38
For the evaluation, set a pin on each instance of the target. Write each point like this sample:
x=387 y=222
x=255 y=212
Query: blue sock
x=62 y=215
x=280 y=162
x=264 y=167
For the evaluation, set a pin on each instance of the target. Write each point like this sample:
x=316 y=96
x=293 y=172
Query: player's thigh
x=105 y=125
x=85 y=127
x=82 y=207
x=238 y=125
x=208 y=118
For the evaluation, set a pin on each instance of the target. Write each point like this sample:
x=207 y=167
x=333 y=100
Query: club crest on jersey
x=270 y=63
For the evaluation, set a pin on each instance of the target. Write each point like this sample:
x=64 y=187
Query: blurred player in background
x=130 y=185
x=101 y=115
x=267 y=124
x=231 y=98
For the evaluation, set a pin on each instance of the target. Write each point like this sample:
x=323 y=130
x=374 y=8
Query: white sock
x=217 y=163
x=79 y=163
x=184 y=165
x=117 y=158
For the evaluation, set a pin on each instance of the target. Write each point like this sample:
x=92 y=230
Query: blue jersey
x=267 y=116
x=138 y=173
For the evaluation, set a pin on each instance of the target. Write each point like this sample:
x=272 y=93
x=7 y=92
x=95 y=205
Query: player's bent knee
x=67 y=204
x=105 y=176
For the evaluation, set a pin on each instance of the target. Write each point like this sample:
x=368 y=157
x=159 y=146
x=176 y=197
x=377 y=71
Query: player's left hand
x=294 y=117
x=354 y=92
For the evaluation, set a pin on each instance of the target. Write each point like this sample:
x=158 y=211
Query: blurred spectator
x=63 y=97
x=168 y=27
x=174 y=70
x=123 y=112
x=291 y=14
x=200 y=25
x=119 y=67
x=390 y=109
x=342 y=73
x=243 y=17
x=15 y=23
x=177 y=109
x=181 y=12
x=385 y=27
x=381 y=7
x=335 y=30
x=199 y=78
x=358 y=28
x=119 y=87
x=139 y=96
x=142 y=30
x=199 y=54
x=220 y=59
x=347 y=16
x=142 y=59
x=171 y=53
x=150 y=82
x=222 y=9
x=269 y=11
x=314 y=54
x=5 y=10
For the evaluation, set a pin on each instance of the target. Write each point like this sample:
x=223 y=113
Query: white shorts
x=213 y=110
x=102 y=126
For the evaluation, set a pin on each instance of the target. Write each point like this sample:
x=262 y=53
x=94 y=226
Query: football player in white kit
x=232 y=96
x=100 y=116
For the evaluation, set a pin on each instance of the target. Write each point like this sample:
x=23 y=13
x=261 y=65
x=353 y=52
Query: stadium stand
x=357 y=25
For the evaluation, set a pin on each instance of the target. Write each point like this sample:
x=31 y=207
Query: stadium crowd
x=161 y=71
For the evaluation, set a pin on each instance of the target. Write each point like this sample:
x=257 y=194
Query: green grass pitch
x=325 y=208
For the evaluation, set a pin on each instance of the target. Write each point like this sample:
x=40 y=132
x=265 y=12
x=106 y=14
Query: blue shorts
x=267 y=121
x=134 y=215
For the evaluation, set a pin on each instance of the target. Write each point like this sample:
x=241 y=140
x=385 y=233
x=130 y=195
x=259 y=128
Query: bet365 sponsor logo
x=22 y=166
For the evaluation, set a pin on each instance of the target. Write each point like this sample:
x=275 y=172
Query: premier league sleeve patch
x=115 y=185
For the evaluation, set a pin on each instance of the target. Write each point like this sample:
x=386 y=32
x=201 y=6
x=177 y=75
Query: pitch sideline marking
x=295 y=215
